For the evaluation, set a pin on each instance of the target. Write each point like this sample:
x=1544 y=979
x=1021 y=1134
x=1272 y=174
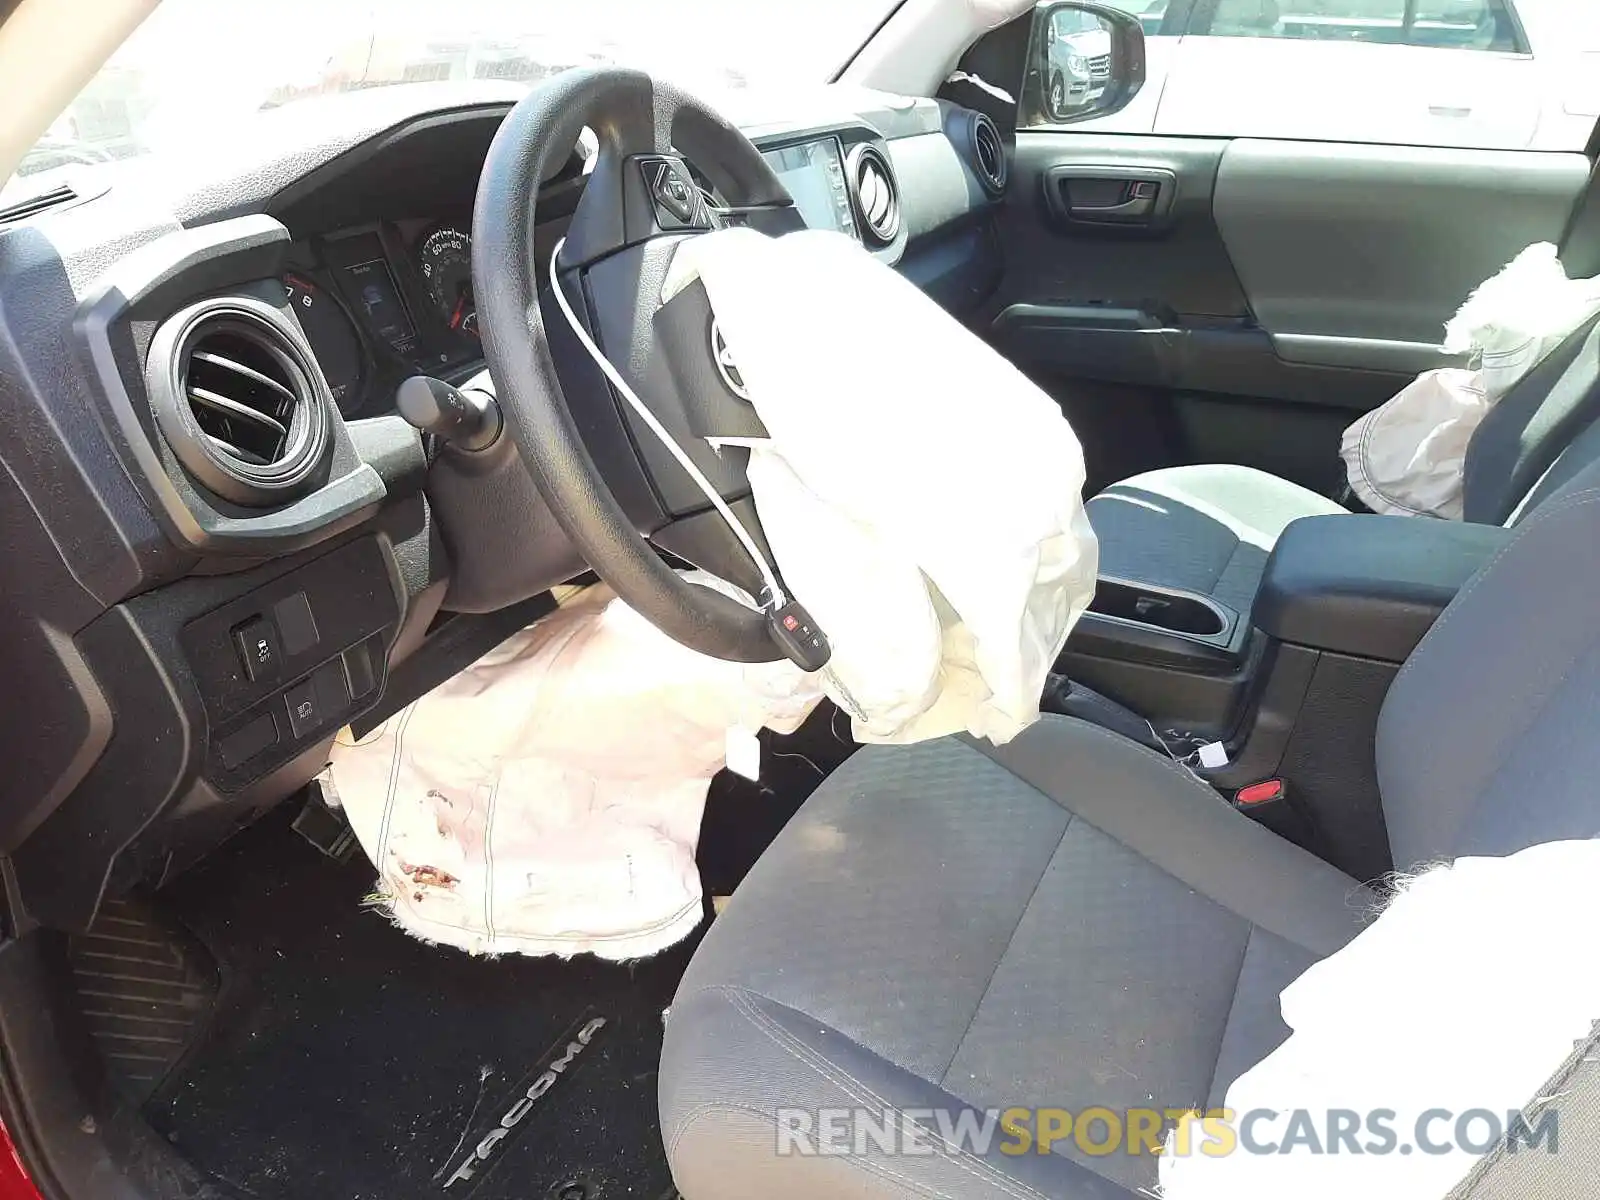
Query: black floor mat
x=346 y=1059
x=144 y=991
x=742 y=817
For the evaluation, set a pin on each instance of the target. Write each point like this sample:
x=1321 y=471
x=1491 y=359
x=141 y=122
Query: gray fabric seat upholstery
x=1206 y=529
x=1209 y=529
x=930 y=902
x=1071 y=920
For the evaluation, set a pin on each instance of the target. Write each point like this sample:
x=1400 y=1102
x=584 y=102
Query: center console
x=1291 y=690
x=1175 y=657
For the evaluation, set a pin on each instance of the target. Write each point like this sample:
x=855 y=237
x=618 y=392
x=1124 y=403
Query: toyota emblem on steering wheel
x=726 y=367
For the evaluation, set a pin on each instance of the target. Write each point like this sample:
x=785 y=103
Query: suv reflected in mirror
x=1084 y=60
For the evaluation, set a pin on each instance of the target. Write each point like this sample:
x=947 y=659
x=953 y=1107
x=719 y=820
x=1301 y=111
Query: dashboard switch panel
x=239 y=747
x=305 y=714
x=316 y=701
x=360 y=670
x=296 y=625
x=326 y=627
x=259 y=650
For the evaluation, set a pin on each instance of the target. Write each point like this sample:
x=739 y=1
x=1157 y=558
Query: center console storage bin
x=1172 y=611
x=1176 y=657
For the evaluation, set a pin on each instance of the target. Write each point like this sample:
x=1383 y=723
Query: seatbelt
x=1580 y=243
x=1555 y=1152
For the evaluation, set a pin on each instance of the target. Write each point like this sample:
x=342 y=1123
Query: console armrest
x=1368 y=586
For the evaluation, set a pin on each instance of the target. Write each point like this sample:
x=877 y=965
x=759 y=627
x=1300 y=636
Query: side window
x=1332 y=19
x=1152 y=14
x=1442 y=24
x=1450 y=73
x=1476 y=25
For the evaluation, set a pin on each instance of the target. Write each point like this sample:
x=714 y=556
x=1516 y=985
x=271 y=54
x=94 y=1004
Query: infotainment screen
x=814 y=174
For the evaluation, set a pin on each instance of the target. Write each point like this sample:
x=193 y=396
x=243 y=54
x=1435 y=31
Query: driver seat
x=1072 y=921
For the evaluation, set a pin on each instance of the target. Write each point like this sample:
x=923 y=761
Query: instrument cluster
x=384 y=301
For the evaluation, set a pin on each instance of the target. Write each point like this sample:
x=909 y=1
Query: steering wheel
x=640 y=202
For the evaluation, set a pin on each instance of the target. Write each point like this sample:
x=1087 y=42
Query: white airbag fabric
x=547 y=800
x=1466 y=994
x=923 y=498
x=1408 y=456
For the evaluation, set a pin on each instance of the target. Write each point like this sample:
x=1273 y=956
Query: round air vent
x=234 y=393
x=990 y=154
x=877 y=199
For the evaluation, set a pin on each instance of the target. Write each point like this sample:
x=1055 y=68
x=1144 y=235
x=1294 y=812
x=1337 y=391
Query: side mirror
x=1084 y=60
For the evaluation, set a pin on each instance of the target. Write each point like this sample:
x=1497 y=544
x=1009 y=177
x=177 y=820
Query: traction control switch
x=259 y=651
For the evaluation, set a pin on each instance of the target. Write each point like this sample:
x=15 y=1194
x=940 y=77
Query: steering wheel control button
x=674 y=193
x=798 y=636
x=296 y=626
x=260 y=652
x=255 y=739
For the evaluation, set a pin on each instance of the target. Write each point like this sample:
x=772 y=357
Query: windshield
x=196 y=70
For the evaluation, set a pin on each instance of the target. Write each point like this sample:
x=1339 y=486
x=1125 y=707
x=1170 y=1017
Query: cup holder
x=1172 y=611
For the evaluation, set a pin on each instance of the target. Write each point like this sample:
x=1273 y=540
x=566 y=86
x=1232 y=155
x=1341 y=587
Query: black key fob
x=798 y=636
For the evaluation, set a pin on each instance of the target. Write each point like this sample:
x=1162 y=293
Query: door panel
x=1285 y=288
x=1185 y=268
x=1381 y=242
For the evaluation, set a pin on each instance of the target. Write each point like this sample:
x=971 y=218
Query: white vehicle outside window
x=1484 y=74
x=1080 y=61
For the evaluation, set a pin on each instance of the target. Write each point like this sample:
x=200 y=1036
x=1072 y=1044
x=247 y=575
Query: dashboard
x=227 y=544
x=813 y=173
x=392 y=297
x=389 y=299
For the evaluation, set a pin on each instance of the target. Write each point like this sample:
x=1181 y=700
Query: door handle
x=1449 y=110
x=1110 y=194
x=1137 y=201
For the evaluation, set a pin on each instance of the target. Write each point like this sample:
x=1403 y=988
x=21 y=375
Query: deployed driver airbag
x=923 y=498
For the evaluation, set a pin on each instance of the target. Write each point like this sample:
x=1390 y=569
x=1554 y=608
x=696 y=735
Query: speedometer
x=444 y=259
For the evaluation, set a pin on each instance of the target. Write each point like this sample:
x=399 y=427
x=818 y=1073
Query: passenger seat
x=1210 y=528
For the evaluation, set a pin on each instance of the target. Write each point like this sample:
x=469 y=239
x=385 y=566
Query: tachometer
x=444 y=259
x=332 y=337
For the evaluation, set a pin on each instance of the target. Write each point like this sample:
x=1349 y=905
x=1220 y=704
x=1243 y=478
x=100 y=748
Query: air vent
x=990 y=153
x=12 y=214
x=241 y=397
x=235 y=398
x=877 y=200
